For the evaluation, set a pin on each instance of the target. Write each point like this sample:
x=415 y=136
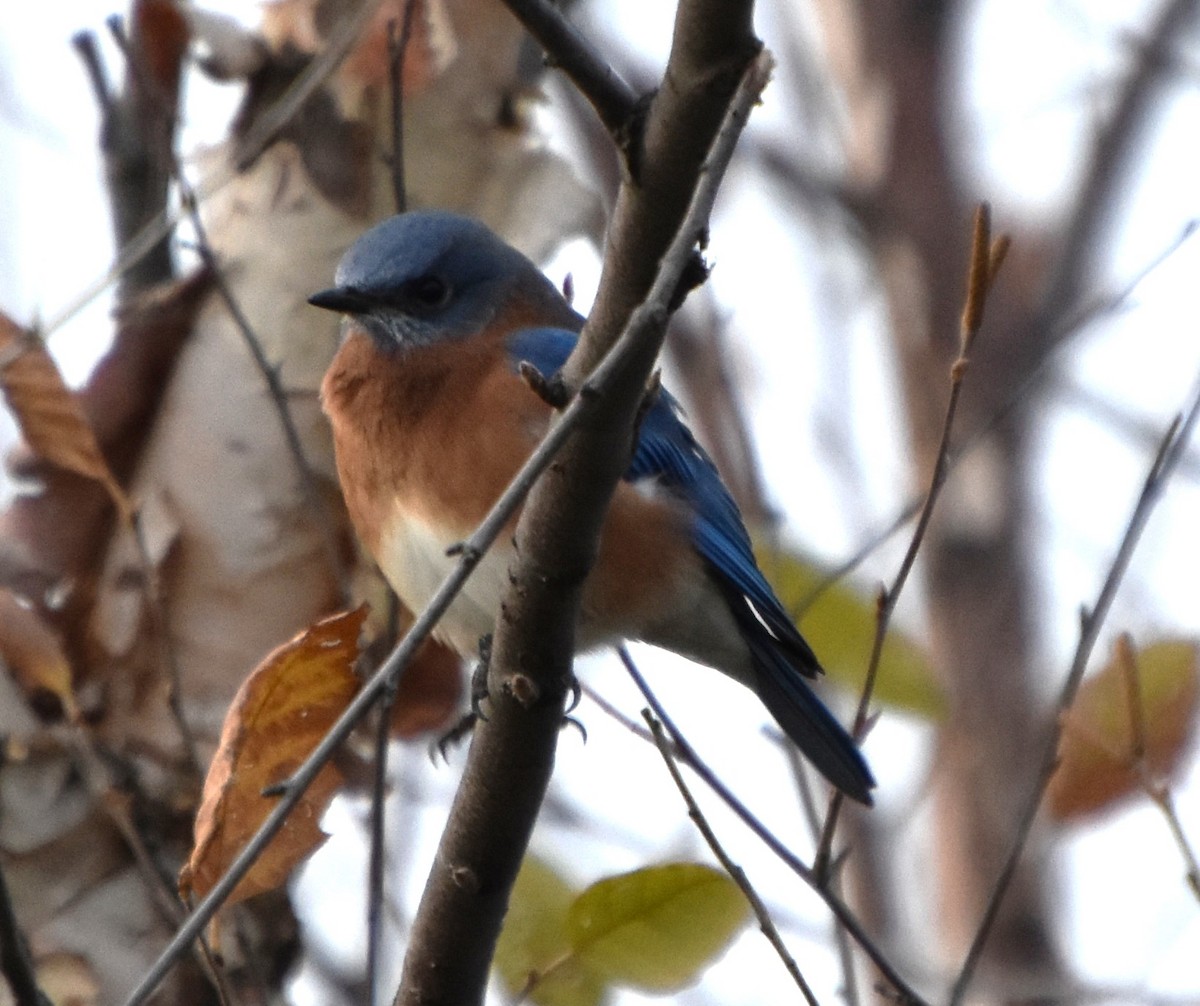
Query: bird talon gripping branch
x=432 y=418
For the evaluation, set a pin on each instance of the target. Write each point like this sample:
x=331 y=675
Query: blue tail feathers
x=801 y=714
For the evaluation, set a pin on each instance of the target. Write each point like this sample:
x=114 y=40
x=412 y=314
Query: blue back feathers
x=668 y=453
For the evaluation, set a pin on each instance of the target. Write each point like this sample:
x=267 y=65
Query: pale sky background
x=1039 y=75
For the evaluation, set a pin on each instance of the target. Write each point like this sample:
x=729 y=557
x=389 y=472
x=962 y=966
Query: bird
x=432 y=417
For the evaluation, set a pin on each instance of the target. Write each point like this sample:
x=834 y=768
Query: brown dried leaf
x=34 y=655
x=278 y=716
x=1097 y=766
x=49 y=414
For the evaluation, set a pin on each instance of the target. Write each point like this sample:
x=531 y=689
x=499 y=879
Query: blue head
x=423 y=277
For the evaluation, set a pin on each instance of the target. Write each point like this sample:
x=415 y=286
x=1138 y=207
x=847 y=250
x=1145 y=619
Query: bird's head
x=430 y=276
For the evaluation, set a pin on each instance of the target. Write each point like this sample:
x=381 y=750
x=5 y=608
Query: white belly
x=415 y=562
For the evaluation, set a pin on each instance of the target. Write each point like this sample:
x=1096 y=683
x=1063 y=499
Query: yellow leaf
x=1096 y=767
x=657 y=928
x=533 y=954
x=278 y=716
x=840 y=627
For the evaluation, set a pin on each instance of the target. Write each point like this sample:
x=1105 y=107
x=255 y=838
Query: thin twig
x=1170 y=453
x=377 y=854
x=808 y=804
x=1161 y=796
x=1061 y=337
x=630 y=724
x=614 y=100
x=320 y=513
x=85 y=46
x=986 y=257
x=397 y=50
x=736 y=873
x=904 y=993
x=1139 y=430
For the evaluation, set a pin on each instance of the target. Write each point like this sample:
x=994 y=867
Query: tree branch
x=1170 y=453
x=512 y=753
x=736 y=873
x=613 y=99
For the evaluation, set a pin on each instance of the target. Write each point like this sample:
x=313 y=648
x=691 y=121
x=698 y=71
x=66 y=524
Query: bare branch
x=986 y=257
x=614 y=101
x=1171 y=451
x=1069 y=327
x=1113 y=156
x=397 y=49
x=736 y=873
x=512 y=753
x=904 y=993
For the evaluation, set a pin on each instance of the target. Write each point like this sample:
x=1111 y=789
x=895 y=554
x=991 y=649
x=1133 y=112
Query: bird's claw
x=479 y=694
x=571 y=721
x=479 y=677
x=453 y=736
x=576 y=695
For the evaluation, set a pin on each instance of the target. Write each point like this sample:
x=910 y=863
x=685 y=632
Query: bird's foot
x=479 y=694
x=479 y=677
x=454 y=736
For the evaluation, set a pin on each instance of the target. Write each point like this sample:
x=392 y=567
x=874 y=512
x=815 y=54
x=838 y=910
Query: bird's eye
x=427 y=291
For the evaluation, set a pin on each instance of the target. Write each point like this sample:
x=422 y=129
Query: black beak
x=344 y=299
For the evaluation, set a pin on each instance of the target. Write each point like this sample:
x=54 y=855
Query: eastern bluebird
x=431 y=420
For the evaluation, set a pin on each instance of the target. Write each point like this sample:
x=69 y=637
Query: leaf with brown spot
x=34 y=655
x=1097 y=767
x=48 y=412
x=278 y=716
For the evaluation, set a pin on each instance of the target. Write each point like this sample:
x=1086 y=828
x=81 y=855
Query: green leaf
x=657 y=928
x=533 y=952
x=840 y=627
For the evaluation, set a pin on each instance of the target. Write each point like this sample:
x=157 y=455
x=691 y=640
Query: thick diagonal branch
x=512 y=754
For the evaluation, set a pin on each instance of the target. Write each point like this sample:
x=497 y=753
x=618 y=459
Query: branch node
x=552 y=390
x=465 y=879
x=524 y=689
x=468 y=552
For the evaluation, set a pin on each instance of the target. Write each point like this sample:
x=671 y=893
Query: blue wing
x=667 y=452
